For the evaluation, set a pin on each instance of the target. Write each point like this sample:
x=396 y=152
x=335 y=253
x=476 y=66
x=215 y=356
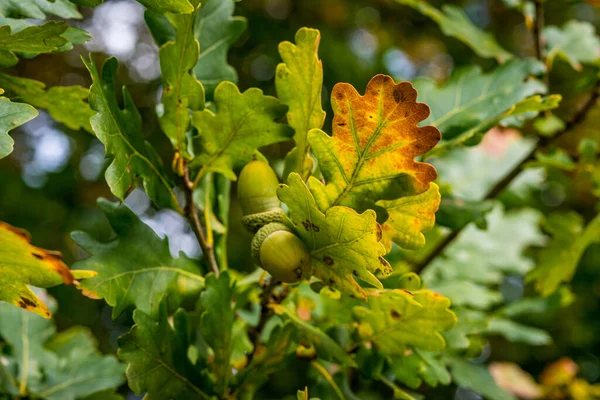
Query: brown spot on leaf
x=38 y=256
x=328 y=260
x=315 y=228
x=307 y=224
x=395 y=314
x=408 y=292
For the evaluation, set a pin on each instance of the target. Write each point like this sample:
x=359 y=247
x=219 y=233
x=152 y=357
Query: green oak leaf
x=461 y=110
x=23 y=265
x=39 y=9
x=558 y=261
x=576 y=42
x=477 y=378
x=326 y=347
x=343 y=244
x=120 y=132
x=456 y=213
x=228 y=139
x=216 y=30
x=169 y=6
x=135 y=268
x=409 y=216
x=489 y=254
x=44 y=38
x=418 y=367
x=269 y=358
x=398 y=318
x=87 y=3
x=66 y=104
x=64 y=366
x=299 y=82
x=370 y=155
x=156 y=355
x=453 y=22
x=82 y=369
x=12 y=115
x=181 y=90
x=518 y=333
x=216 y=324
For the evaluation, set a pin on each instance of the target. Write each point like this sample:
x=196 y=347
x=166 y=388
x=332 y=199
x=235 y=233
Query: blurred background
x=50 y=183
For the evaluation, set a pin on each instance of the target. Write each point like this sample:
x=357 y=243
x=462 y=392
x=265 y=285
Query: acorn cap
x=257 y=188
x=254 y=222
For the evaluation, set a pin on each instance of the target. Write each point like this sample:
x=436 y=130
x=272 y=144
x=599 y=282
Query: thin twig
x=323 y=371
x=192 y=216
x=542 y=144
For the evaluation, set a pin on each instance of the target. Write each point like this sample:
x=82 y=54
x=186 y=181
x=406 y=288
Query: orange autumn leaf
x=22 y=264
x=370 y=157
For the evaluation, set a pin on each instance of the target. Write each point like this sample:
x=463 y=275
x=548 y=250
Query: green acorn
x=257 y=194
x=281 y=253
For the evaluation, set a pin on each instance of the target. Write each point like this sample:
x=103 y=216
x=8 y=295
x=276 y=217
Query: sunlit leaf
x=513 y=379
x=299 y=81
x=216 y=325
x=173 y=6
x=326 y=347
x=12 y=115
x=216 y=31
x=558 y=261
x=228 y=139
x=156 y=355
x=120 y=130
x=135 y=268
x=410 y=216
x=343 y=244
x=398 y=318
x=181 y=90
x=461 y=110
x=576 y=42
x=66 y=104
x=375 y=139
x=453 y=22
x=22 y=264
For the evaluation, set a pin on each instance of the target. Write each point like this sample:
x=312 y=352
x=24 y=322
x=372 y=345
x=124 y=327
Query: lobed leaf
x=135 y=268
x=343 y=244
x=370 y=156
x=44 y=38
x=398 y=318
x=216 y=325
x=22 y=264
x=576 y=42
x=181 y=90
x=409 y=216
x=299 y=82
x=461 y=110
x=156 y=355
x=169 y=6
x=66 y=104
x=418 y=367
x=12 y=115
x=39 y=9
x=120 y=132
x=216 y=30
x=558 y=262
x=477 y=378
x=55 y=367
x=326 y=347
x=453 y=22
x=228 y=139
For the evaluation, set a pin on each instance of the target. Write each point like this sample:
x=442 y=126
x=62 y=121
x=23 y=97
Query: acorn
x=281 y=253
x=257 y=194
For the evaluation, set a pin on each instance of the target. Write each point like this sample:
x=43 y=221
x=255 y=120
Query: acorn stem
x=192 y=216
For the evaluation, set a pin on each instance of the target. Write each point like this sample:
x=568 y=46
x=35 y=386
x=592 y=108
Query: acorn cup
x=275 y=247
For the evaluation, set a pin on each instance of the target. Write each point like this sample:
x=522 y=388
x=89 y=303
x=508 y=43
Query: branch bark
x=192 y=216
